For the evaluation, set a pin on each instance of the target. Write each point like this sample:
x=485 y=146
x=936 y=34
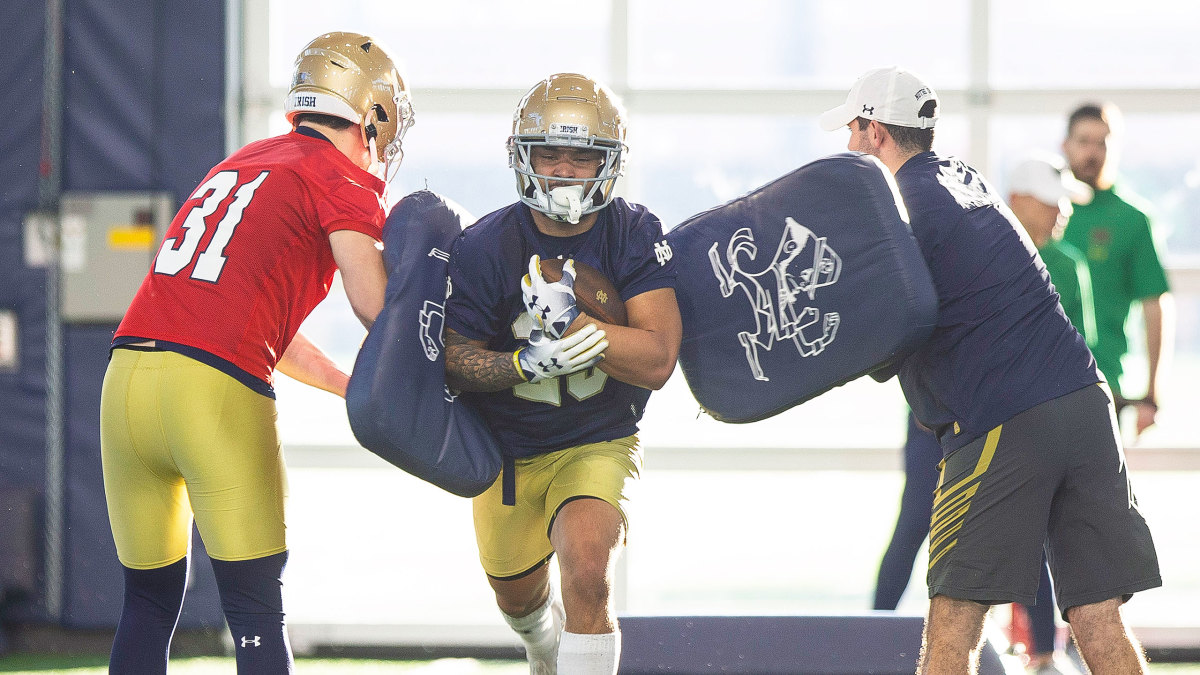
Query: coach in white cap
x=1008 y=385
x=889 y=95
x=1041 y=192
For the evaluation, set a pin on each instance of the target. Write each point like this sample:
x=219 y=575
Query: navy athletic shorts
x=1053 y=475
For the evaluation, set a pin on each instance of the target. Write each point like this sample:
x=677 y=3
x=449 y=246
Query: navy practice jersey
x=1002 y=343
x=486 y=266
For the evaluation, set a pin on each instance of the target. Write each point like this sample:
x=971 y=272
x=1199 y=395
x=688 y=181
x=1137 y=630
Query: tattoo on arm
x=471 y=367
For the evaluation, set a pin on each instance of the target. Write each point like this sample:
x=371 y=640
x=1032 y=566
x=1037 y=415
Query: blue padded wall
x=143 y=88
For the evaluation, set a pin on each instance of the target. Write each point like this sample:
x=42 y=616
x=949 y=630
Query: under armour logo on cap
x=896 y=96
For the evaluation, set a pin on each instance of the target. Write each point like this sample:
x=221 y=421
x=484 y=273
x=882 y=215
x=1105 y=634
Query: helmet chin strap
x=376 y=168
x=566 y=203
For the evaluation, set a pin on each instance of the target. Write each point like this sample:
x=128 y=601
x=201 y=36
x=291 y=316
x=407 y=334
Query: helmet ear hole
x=380 y=113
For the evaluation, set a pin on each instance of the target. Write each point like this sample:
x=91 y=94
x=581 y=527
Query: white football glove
x=544 y=358
x=550 y=305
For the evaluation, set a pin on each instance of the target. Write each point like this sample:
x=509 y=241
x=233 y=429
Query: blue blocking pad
x=397 y=400
x=797 y=287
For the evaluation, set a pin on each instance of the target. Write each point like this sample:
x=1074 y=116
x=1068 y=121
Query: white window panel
x=682 y=164
x=456 y=43
x=1081 y=44
x=781 y=43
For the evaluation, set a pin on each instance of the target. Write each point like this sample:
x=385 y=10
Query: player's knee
x=252 y=598
x=523 y=595
x=1105 y=612
x=956 y=618
x=251 y=586
x=519 y=605
x=588 y=583
x=589 y=548
x=161 y=588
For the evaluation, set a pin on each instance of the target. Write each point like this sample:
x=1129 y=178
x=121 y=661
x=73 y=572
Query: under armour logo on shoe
x=868 y=110
x=256 y=642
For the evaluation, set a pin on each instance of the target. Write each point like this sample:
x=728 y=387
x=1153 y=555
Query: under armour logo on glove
x=550 y=305
x=256 y=642
x=544 y=358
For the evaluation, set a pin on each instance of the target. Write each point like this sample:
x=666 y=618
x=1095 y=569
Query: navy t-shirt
x=1002 y=343
x=487 y=263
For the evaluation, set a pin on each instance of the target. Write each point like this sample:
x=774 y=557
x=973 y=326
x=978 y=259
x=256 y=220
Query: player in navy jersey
x=1027 y=427
x=564 y=395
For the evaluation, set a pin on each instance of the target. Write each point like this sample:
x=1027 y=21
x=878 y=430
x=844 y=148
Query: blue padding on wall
x=22 y=393
x=93 y=584
x=21 y=100
x=143 y=109
x=881 y=643
x=22 y=290
x=145 y=83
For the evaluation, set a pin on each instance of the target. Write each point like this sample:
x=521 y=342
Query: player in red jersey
x=187 y=416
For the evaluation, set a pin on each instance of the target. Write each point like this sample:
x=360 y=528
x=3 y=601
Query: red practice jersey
x=247 y=257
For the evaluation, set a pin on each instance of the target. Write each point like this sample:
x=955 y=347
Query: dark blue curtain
x=143 y=91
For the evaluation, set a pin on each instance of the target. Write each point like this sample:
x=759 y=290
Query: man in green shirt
x=1115 y=235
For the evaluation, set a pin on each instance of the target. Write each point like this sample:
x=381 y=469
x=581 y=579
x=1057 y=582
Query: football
x=595 y=295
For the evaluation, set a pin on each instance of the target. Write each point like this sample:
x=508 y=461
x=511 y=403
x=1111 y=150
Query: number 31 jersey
x=247 y=257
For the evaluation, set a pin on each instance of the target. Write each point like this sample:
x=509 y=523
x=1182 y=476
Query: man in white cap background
x=1032 y=456
x=1041 y=193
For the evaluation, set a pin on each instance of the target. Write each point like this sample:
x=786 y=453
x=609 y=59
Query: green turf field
x=96 y=665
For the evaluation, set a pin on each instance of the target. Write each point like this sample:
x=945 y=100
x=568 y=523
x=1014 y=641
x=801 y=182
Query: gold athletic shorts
x=179 y=437
x=514 y=540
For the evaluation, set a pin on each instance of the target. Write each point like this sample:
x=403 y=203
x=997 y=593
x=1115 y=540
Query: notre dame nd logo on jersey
x=803 y=263
x=662 y=252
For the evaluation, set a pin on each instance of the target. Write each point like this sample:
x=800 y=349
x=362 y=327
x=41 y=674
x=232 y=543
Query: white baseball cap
x=1046 y=177
x=890 y=95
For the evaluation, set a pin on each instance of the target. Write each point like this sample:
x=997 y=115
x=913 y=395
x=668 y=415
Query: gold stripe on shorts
x=950 y=505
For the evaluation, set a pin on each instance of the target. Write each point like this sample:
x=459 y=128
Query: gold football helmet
x=351 y=76
x=568 y=110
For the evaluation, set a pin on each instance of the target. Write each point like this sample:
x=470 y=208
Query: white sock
x=539 y=631
x=582 y=654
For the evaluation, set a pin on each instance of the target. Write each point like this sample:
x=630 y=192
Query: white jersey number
x=580 y=385
x=175 y=255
